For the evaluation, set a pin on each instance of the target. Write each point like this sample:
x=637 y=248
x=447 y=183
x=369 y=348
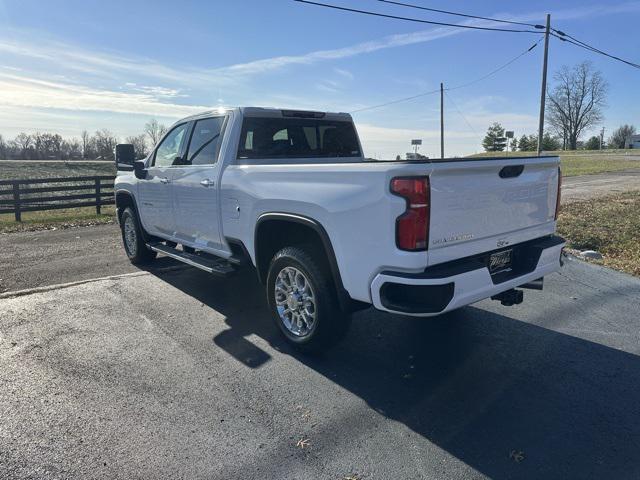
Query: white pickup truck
x=329 y=231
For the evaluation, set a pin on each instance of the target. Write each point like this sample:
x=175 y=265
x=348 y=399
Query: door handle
x=164 y=180
x=207 y=183
x=511 y=171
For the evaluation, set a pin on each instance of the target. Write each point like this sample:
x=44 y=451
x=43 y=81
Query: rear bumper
x=452 y=285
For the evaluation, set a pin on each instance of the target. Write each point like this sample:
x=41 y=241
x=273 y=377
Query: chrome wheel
x=295 y=301
x=130 y=236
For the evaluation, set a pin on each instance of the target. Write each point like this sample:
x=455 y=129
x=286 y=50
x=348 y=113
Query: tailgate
x=481 y=205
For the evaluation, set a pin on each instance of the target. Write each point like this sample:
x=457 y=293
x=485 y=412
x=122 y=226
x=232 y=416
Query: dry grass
x=564 y=153
x=585 y=162
x=573 y=165
x=64 y=218
x=10 y=169
x=609 y=225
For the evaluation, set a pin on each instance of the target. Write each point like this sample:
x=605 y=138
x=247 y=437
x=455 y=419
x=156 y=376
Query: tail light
x=559 y=193
x=412 y=227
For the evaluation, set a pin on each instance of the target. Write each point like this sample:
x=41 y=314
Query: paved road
x=173 y=374
x=585 y=187
x=33 y=259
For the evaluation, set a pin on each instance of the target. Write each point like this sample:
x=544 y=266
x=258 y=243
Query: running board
x=216 y=266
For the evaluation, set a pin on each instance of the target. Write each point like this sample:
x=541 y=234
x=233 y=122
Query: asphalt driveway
x=174 y=374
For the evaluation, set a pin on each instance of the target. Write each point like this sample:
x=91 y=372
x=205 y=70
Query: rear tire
x=303 y=301
x=134 y=245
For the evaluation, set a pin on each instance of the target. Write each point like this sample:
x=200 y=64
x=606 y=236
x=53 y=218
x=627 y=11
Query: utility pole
x=543 y=93
x=441 y=120
x=601 y=137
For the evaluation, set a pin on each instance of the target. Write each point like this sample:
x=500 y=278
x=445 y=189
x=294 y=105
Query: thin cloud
x=100 y=63
x=344 y=73
x=20 y=91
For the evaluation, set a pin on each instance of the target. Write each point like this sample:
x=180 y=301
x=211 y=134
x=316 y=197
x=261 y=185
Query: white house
x=633 y=142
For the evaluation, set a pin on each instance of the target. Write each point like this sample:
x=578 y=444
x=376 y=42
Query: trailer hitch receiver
x=510 y=297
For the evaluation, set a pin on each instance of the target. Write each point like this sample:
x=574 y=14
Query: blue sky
x=71 y=65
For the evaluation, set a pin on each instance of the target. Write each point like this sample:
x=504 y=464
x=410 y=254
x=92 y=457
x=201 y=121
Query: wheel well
x=276 y=231
x=273 y=235
x=124 y=200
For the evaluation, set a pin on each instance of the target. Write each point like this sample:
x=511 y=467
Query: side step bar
x=216 y=266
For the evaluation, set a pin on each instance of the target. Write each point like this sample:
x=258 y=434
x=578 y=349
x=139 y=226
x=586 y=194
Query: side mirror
x=125 y=157
x=140 y=169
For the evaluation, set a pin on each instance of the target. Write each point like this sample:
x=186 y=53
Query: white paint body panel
x=155 y=201
x=196 y=207
x=351 y=199
x=470 y=287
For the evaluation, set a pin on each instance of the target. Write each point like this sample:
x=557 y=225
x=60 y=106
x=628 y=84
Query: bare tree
x=47 y=145
x=139 y=143
x=155 y=131
x=105 y=144
x=4 y=149
x=86 y=144
x=576 y=102
x=619 y=137
x=72 y=149
x=23 y=142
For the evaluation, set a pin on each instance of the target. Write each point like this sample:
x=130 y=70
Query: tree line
x=97 y=146
x=494 y=140
x=574 y=106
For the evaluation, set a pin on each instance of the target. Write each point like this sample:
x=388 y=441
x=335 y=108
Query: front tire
x=303 y=301
x=134 y=244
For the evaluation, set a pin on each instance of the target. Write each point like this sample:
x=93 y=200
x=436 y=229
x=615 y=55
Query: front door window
x=170 y=147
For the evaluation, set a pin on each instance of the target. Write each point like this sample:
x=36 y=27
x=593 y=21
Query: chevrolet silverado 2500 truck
x=328 y=231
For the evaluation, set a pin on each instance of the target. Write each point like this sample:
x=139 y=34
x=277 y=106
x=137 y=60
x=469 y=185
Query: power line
x=417 y=20
x=493 y=72
x=460 y=113
x=405 y=99
x=447 y=12
x=565 y=37
x=502 y=67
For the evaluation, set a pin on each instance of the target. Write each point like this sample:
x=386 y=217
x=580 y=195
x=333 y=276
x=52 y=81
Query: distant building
x=632 y=142
x=416 y=156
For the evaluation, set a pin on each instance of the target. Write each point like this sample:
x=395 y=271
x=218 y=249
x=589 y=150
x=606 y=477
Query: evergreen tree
x=593 y=143
x=523 y=143
x=494 y=140
x=549 y=143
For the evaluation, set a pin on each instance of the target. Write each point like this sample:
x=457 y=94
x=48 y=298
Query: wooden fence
x=37 y=194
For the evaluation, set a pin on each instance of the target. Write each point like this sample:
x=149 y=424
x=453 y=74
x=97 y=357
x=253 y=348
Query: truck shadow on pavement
x=508 y=398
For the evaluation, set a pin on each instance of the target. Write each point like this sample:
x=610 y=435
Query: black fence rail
x=38 y=194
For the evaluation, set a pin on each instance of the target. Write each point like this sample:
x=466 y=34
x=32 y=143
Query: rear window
x=297 y=137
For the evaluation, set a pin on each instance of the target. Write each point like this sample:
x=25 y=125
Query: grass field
x=573 y=165
x=566 y=153
x=609 y=225
x=10 y=169
x=66 y=218
x=587 y=162
x=14 y=169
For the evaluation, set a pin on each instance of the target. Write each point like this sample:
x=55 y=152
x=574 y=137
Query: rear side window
x=296 y=137
x=205 y=141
